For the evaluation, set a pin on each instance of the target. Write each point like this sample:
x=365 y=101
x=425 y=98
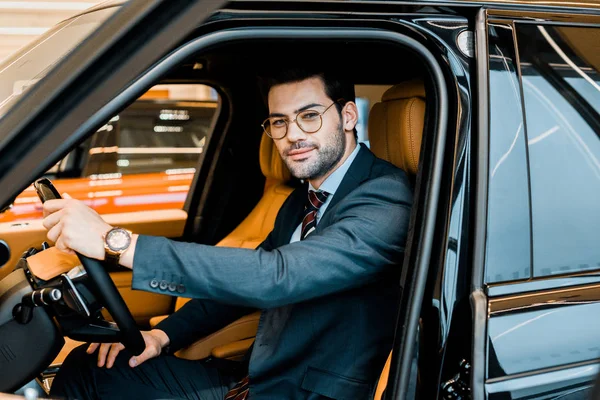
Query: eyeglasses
x=309 y=121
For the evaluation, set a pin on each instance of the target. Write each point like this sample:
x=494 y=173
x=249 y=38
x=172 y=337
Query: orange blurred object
x=111 y=193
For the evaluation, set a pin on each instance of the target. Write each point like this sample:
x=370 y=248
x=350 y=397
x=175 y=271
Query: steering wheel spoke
x=104 y=288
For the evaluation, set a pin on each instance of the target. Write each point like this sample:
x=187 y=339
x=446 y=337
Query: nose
x=294 y=133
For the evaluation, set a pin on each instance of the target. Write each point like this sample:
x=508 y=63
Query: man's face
x=308 y=155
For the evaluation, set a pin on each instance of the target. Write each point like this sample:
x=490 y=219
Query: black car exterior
x=500 y=284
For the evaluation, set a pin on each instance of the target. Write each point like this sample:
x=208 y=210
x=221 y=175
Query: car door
x=539 y=289
x=149 y=201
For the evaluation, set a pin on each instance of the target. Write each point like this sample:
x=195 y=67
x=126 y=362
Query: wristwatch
x=116 y=241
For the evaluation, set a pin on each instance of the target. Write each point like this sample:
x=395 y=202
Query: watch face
x=118 y=239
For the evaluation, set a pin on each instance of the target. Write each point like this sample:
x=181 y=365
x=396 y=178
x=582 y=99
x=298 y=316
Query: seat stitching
x=410 y=135
x=385 y=142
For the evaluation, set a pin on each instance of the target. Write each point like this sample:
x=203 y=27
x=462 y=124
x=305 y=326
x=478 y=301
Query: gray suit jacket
x=329 y=302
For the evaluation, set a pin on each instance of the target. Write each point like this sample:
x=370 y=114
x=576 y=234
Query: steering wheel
x=102 y=284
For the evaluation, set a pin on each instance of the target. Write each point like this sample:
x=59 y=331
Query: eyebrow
x=303 y=108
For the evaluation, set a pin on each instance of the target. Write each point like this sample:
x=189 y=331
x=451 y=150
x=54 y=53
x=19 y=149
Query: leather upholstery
x=248 y=234
x=396 y=125
x=223 y=342
x=233 y=351
x=383 y=379
x=271 y=164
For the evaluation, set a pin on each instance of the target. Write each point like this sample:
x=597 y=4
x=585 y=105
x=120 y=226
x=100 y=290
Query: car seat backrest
x=395 y=134
x=396 y=125
x=271 y=163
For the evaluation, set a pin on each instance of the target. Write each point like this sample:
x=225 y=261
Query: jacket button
x=172 y=287
x=153 y=283
x=163 y=285
x=181 y=288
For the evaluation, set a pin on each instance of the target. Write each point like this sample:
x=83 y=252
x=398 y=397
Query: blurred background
x=22 y=21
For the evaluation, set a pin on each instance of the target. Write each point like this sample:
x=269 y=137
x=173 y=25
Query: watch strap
x=112 y=258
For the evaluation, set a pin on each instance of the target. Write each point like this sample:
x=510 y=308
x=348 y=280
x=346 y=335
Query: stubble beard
x=328 y=155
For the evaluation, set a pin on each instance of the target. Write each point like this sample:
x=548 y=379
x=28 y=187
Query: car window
x=142 y=159
x=165 y=130
x=561 y=87
x=508 y=244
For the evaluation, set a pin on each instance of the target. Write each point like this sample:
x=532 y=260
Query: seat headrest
x=396 y=125
x=271 y=164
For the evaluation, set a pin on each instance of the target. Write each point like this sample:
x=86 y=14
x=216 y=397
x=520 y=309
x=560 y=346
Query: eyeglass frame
x=288 y=122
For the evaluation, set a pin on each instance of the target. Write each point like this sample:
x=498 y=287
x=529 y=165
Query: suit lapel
x=293 y=210
x=292 y=213
x=359 y=171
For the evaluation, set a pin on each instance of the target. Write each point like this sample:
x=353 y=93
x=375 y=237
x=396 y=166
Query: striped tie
x=240 y=390
x=315 y=201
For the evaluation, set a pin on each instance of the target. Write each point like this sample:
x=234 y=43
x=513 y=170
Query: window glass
x=561 y=90
x=142 y=159
x=32 y=63
x=508 y=243
x=166 y=130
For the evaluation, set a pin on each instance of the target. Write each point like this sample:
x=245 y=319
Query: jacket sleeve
x=200 y=317
x=366 y=236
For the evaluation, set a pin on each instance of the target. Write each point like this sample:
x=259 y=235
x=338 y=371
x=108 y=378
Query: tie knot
x=316 y=199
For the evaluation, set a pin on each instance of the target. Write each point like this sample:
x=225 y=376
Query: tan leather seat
x=232 y=341
x=395 y=134
x=396 y=125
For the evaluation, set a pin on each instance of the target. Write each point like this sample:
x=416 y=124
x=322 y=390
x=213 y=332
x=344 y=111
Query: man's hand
x=75 y=227
x=155 y=341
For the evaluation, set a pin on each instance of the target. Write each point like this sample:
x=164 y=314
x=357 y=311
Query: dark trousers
x=164 y=377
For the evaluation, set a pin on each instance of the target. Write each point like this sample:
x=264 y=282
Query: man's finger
x=104 y=347
x=66 y=196
x=92 y=348
x=52 y=219
x=52 y=206
x=54 y=233
x=61 y=246
x=147 y=354
x=112 y=354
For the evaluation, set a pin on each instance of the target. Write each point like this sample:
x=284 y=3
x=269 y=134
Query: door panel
x=542 y=335
x=23 y=235
x=545 y=337
x=544 y=344
x=567 y=384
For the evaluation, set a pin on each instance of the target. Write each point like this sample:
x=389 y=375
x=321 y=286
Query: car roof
x=99 y=6
x=530 y=4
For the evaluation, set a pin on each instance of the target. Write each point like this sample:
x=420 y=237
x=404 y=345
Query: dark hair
x=335 y=86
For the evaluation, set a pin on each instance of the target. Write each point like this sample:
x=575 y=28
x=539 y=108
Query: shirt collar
x=331 y=184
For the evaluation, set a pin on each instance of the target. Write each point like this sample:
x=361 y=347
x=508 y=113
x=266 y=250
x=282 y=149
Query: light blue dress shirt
x=330 y=185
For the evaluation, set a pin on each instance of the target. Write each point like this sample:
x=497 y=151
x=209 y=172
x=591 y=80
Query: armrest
x=156 y=320
x=234 y=351
x=243 y=328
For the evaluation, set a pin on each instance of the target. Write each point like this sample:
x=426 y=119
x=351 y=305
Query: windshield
x=26 y=67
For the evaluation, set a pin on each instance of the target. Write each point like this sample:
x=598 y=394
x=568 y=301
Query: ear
x=349 y=116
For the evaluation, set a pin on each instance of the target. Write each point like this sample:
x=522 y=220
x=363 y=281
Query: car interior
x=241 y=182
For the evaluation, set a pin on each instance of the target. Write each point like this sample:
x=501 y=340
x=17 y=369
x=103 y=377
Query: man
x=325 y=278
